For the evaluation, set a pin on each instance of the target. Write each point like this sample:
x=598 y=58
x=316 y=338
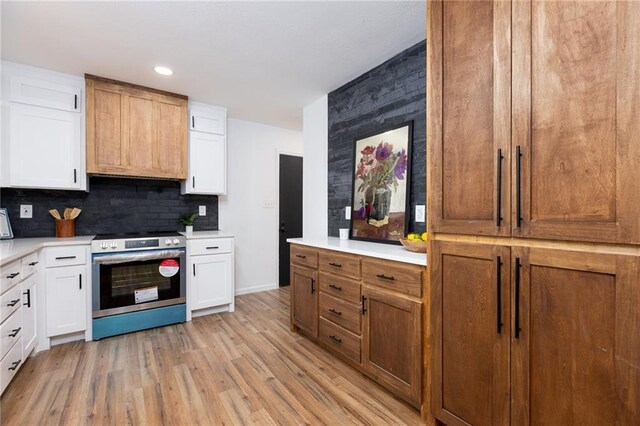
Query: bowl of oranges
x=415 y=242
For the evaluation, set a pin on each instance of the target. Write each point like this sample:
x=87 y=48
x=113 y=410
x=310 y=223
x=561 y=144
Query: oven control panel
x=136 y=244
x=122 y=245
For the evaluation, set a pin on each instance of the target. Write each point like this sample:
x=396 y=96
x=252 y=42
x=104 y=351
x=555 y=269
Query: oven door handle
x=114 y=259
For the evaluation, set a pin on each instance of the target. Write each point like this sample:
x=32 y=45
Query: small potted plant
x=187 y=220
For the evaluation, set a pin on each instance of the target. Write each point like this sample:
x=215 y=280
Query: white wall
x=314 y=174
x=249 y=211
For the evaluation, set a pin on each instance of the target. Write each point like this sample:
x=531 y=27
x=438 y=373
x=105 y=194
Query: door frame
x=277 y=206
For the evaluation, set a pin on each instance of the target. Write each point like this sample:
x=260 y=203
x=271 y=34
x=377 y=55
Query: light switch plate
x=347 y=212
x=26 y=211
x=202 y=210
x=420 y=213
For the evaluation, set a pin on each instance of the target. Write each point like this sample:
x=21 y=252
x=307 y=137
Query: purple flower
x=401 y=165
x=383 y=151
x=362 y=213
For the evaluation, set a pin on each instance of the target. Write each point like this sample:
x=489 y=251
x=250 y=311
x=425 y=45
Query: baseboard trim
x=256 y=289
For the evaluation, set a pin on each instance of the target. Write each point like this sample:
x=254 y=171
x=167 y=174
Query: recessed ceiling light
x=163 y=70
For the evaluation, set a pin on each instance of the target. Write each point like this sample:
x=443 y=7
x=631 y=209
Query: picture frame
x=5 y=225
x=381 y=183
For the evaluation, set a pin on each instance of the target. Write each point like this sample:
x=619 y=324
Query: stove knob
x=113 y=245
x=167 y=241
x=103 y=246
x=176 y=241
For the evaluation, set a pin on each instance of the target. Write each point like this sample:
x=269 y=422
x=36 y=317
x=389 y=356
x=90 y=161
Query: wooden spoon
x=67 y=213
x=55 y=214
x=75 y=212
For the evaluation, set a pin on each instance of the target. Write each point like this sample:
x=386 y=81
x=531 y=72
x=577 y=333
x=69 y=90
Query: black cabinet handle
x=13 y=303
x=75 y=176
x=301 y=256
x=518 y=189
x=337 y=287
x=28 y=294
x=65 y=257
x=33 y=263
x=517 y=299
x=15 y=332
x=12 y=276
x=337 y=265
x=14 y=365
x=80 y=281
x=193 y=122
x=335 y=312
x=313 y=289
x=364 y=305
x=335 y=339
x=75 y=101
x=194 y=269
x=213 y=248
x=193 y=181
x=499 y=188
x=386 y=277
x=499 y=294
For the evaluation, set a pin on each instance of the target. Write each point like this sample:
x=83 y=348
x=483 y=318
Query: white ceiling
x=264 y=61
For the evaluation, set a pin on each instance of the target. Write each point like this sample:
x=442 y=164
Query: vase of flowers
x=379 y=171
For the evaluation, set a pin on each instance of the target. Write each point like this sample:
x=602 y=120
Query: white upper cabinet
x=207 y=151
x=43 y=138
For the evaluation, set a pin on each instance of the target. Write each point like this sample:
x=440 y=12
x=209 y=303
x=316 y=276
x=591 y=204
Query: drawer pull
x=33 y=263
x=335 y=312
x=15 y=332
x=337 y=287
x=13 y=303
x=65 y=257
x=364 y=305
x=28 y=294
x=335 y=339
x=313 y=289
x=337 y=265
x=12 y=276
x=14 y=365
x=301 y=256
x=386 y=277
x=213 y=248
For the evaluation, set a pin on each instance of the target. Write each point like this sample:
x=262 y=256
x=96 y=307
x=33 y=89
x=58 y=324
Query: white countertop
x=206 y=234
x=16 y=248
x=364 y=248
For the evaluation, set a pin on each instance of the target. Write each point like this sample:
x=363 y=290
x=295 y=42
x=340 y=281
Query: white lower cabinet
x=29 y=315
x=10 y=364
x=210 y=282
x=66 y=296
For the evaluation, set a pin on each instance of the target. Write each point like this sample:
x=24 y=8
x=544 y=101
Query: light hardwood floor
x=240 y=368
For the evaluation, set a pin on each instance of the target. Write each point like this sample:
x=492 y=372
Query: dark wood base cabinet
x=534 y=336
x=366 y=311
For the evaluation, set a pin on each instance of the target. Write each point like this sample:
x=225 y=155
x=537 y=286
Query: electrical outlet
x=269 y=204
x=420 y=213
x=347 y=212
x=26 y=211
x=202 y=210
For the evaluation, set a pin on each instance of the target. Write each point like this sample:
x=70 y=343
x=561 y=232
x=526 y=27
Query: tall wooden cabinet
x=533 y=137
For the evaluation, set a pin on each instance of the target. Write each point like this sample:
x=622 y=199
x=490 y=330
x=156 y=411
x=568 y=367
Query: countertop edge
x=26 y=246
x=201 y=235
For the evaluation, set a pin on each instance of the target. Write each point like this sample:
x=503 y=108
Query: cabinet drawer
x=341 y=264
x=342 y=313
x=393 y=276
x=10 y=331
x=340 y=287
x=10 y=302
x=341 y=340
x=65 y=256
x=29 y=264
x=10 y=364
x=11 y=275
x=213 y=246
x=304 y=256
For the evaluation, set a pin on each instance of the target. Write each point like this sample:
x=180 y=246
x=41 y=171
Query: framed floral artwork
x=380 y=195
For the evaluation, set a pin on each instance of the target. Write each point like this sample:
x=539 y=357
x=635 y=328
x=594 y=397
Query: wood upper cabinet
x=470 y=333
x=576 y=103
x=468 y=104
x=392 y=341
x=575 y=359
x=304 y=299
x=135 y=131
x=533 y=110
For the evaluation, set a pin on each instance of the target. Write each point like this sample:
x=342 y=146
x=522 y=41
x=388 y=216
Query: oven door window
x=121 y=283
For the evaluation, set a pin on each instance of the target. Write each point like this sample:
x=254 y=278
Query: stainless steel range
x=139 y=282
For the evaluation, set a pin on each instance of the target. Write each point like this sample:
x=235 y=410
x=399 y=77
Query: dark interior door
x=290 y=219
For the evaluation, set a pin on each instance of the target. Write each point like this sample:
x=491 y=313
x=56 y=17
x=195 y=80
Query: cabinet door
x=140 y=132
x=45 y=148
x=211 y=281
x=66 y=300
x=392 y=342
x=29 y=289
x=208 y=121
x=468 y=102
x=172 y=137
x=576 y=90
x=304 y=299
x=106 y=152
x=32 y=91
x=470 y=333
x=207 y=163
x=575 y=356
